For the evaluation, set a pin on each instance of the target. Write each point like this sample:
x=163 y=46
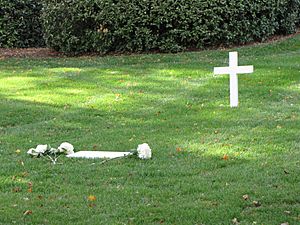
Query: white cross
x=233 y=70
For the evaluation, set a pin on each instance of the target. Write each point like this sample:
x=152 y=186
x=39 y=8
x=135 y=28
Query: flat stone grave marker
x=98 y=154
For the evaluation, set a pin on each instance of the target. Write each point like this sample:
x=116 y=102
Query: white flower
x=41 y=149
x=32 y=152
x=144 y=151
x=66 y=148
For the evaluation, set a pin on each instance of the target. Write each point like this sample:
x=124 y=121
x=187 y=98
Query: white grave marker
x=98 y=154
x=233 y=70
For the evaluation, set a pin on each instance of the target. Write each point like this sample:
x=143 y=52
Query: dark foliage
x=75 y=26
x=169 y=25
x=20 y=24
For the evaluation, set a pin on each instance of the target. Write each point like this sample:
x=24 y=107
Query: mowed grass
x=175 y=104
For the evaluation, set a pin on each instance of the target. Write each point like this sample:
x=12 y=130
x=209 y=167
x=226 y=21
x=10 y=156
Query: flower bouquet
x=143 y=151
x=51 y=153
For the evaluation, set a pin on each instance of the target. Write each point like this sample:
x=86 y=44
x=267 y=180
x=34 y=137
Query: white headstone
x=233 y=70
x=98 y=154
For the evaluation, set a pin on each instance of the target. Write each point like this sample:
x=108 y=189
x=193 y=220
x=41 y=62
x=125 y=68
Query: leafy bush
x=168 y=25
x=20 y=24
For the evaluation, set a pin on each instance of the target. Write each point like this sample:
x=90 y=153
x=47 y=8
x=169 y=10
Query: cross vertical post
x=234 y=90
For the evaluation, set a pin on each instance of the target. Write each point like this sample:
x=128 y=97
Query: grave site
x=153 y=112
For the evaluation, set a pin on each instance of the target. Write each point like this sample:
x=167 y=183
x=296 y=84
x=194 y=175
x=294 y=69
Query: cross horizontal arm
x=222 y=70
x=233 y=70
x=244 y=69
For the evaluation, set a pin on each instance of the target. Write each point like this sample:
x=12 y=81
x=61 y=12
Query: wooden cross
x=233 y=70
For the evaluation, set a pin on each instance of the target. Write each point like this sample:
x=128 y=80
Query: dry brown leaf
x=256 y=203
x=225 y=157
x=92 y=198
x=24 y=174
x=178 y=149
x=16 y=189
x=27 y=212
x=29 y=190
x=245 y=197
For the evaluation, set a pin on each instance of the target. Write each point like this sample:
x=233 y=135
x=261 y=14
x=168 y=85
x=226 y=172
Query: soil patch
x=28 y=52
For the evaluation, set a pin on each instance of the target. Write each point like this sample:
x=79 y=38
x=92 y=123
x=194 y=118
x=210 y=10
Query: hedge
x=20 y=24
x=143 y=25
x=168 y=25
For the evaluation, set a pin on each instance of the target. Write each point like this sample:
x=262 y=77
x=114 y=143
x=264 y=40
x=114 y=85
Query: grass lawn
x=175 y=104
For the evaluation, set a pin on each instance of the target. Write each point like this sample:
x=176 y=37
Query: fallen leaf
x=245 y=197
x=225 y=157
x=178 y=149
x=18 y=151
x=92 y=198
x=27 y=212
x=24 y=174
x=256 y=203
x=118 y=96
x=29 y=190
x=16 y=189
x=235 y=221
x=40 y=197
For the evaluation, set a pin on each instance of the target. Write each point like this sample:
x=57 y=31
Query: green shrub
x=20 y=24
x=168 y=25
